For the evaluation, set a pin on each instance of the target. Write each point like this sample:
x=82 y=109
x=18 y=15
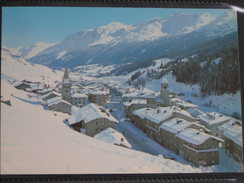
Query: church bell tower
x=66 y=86
x=164 y=93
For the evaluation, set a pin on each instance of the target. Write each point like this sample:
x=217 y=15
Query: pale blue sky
x=24 y=26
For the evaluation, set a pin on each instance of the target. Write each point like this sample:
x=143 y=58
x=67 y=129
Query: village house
x=50 y=95
x=169 y=129
x=182 y=104
x=213 y=120
x=195 y=112
x=21 y=85
x=57 y=104
x=92 y=119
x=197 y=147
x=79 y=99
x=231 y=133
x=44 y=91
x=98 y=97
x=180 y=113
x=111 y=136
x=152 y=119
x=131 y=105
x=75 y=89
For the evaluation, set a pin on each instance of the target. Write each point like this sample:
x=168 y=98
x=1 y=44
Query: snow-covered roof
x=45 y=90
x=135 y=101
x=142 y=93
x=89 y=113
x=232 y=131
x=164 y=81
x=111 y=136
x=36 y=87
x=194 y=112
x=98 y=92
x=53 y=92
x=79 y=95
x=213 y=118
x=175 y=125
x=155 y=115
x=184 y=112
x=182 y=103
x=195 y=136
x=53 y=100
x=75 y=87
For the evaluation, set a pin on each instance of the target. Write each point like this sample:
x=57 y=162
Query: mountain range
x=118 y=43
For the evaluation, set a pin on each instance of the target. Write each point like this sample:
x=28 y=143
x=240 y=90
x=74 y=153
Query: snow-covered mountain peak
x=182 y=23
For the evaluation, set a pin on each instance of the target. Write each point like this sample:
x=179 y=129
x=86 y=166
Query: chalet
x=48 y=96
x=98 y=97
x=44 y=91
x=92 y=119
x=213 y=120
x=231 y=133
x=22 y=85
x=197 y=147
x=57 y=104
x=111 y=136
x=79 y=99
x=35 y=87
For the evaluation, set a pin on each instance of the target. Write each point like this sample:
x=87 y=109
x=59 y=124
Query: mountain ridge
x=118 y=43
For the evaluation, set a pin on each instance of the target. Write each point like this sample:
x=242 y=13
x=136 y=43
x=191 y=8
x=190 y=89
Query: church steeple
x=66 y=75
x=66 y=86
x=165 y=93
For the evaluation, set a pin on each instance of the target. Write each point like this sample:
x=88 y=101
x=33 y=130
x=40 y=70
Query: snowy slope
x=31 y=51
x=14 y=66
x=35 y=141
x=226 y=103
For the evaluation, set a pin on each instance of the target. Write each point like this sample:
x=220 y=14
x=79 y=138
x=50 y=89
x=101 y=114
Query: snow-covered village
x=159 y=117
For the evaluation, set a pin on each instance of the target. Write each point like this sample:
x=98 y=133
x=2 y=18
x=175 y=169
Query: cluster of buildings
x=84 y=102
x=181 y=127
x=172 y=122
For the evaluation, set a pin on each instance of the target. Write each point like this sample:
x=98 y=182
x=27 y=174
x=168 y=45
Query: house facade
x=93 y=119
x=59 y=105
x=169 y=129
x=98 y=97
x=79 y=99
x=152 y=119
x=231 y=133
x=197 y=147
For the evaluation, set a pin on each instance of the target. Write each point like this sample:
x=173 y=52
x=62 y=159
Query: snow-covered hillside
x=94 y=69
x=16 y=67
x=36 y=141
x=227 y=103
x=31 y=51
